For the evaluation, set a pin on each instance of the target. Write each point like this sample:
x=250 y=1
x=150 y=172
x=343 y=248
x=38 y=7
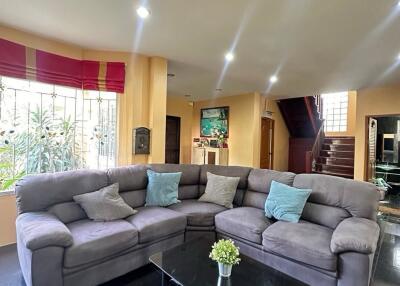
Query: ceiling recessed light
x=143 y=12
x=273 y=79
x=229 y=56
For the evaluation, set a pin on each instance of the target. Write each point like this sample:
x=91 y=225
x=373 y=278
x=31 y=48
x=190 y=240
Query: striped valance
x=24 y=62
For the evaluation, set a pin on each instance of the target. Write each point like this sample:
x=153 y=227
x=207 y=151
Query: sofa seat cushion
x=245 y=222
x=198 y=213
x=154 y=223
x=304 y=242
x=94 y=240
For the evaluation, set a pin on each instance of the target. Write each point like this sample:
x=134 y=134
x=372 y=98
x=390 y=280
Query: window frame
x=335 y=112
x=80 y=126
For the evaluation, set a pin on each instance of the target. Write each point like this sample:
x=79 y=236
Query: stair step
x=337 y=154
x=327 y=154
x=336 y=174
x=339 y=137
x=344 y=151
x=340 y=158
x=338 y=169
x=336 y=166
x=336 y=161
x=339 y=144
x=338 y=147
x=339 y=140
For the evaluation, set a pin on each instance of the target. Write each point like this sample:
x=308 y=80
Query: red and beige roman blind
x=27 y=63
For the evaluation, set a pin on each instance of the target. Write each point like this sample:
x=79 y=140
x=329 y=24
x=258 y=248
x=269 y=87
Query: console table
x=210 y=155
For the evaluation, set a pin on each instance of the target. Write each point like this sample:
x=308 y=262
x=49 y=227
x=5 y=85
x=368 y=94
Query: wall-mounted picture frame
x=214 y=121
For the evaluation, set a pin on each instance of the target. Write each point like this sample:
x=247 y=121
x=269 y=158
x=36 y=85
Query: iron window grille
x=50 y=128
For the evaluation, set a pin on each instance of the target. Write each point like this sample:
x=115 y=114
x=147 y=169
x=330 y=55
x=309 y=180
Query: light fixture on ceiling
x=143 y=12
x=273 y=79
x=229 y=56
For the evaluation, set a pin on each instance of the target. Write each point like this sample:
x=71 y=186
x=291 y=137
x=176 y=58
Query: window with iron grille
x=335 y=107
x=50 y=128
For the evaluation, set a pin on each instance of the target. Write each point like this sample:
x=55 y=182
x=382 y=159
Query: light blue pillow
x=162 y=189
x=285 y=203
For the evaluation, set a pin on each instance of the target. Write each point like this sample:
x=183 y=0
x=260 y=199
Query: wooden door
x=172 y=139
x=372 y=139
x=267 y=143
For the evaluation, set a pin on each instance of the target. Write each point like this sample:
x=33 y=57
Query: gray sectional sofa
x=333 y=244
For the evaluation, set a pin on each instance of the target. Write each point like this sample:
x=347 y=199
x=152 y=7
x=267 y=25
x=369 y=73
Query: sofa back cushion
x=227 y=171
x=132 y=183
x=329 y=216
x=259 y=184
x=40 y=192
x=68 y=212
x=189 y=183
x=333 y=199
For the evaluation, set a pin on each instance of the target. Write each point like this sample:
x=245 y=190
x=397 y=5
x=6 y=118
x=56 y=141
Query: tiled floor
x=391 y=205
x=386 y=269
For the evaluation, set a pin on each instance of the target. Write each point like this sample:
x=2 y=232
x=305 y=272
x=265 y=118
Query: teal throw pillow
x=285 y=203
x=162 y=189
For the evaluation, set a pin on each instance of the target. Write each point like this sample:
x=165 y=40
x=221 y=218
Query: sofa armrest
x=355 y=234
x=40 y=229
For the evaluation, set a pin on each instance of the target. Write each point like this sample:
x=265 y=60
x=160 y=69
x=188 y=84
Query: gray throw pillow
x=105 y=204
x=220 y=190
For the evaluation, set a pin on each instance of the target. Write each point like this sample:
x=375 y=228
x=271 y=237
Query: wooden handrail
x=312 y=155
x=310 y=113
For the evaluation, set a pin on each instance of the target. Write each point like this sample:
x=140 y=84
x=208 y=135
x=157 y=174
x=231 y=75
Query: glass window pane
x=335 y=111
x=55 y=128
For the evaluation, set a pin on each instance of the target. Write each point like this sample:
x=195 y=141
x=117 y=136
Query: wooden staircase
x=303 y=118
x=336 y=157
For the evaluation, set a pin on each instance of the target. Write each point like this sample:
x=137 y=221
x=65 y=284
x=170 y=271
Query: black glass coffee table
x=189 y=265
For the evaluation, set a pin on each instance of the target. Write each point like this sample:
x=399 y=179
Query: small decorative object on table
x=221 y=137
x=226 y=254
x=382 y=187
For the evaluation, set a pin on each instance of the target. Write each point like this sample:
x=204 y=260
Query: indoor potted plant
x=226 y=254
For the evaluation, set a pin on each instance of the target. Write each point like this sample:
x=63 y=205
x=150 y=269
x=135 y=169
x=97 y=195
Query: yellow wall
x=281 y=135
x=180 y=107
x=351 y=117
x=241 y=121
x=372 y=101
x=142 y=104
x=7 y=219
x=245 y=113
x=157 y=109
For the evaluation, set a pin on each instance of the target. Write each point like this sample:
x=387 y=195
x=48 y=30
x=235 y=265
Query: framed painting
x=214 y=121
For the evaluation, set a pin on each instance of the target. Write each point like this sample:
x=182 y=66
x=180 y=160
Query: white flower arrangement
x=226 y=252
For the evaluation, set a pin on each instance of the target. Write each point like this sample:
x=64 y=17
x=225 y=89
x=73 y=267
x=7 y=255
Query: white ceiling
x=314 y=45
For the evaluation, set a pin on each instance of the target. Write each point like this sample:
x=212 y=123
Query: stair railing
x=318 y=102
x=312 y=156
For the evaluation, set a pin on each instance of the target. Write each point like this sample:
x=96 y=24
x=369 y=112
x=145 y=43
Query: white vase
x=224 y=269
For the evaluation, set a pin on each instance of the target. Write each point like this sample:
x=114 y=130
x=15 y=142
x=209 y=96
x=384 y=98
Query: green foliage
x=7 y=179
x=48 y=146
x=224 y=251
